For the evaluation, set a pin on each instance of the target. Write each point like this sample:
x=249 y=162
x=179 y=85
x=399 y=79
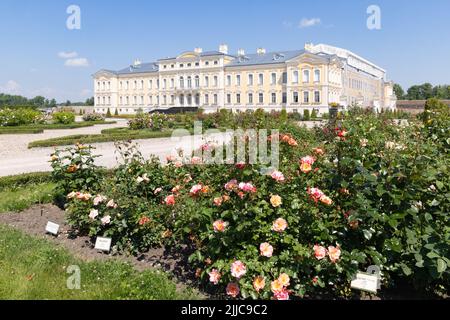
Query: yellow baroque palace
x=311 y=78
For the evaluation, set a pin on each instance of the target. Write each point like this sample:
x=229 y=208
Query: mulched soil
x=33 y=221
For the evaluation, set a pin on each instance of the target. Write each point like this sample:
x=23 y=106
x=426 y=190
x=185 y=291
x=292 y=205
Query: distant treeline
x=12 y=101
x=423 y=92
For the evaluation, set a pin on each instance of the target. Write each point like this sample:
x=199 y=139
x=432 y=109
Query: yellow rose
x=275 y=200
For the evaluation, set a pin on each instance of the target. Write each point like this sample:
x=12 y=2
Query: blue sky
x=413 y=43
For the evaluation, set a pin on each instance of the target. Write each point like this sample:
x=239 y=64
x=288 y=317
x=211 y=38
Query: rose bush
x=364 y=192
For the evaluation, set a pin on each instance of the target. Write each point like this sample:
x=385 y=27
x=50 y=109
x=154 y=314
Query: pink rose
x=334 y=253
x=320 y=252
x=278 y=176
x=214 y=276
x=93 y=214
x=266 y=249
x=170 y=200
x=106 y=220
x=233 y=289
x=238 y=269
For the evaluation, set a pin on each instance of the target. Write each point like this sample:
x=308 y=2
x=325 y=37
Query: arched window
x=189 y=82
x=197 y=99
x=206 y=81
x=181 y=82
x=189 y=98
x=182 y=100
x=305 y=75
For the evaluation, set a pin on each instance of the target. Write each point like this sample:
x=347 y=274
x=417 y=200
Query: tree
x=116 y=113
x=399 y=92
x=68 y=103
x=90 y=101
x=108 y=113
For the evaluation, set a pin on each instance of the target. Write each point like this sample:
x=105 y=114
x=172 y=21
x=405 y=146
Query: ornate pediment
x=309 y=58
x=103 y=74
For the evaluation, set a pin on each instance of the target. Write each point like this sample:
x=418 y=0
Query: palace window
x=273 y=78
x=261 y=79
x=206 y=63
x=150 y=99
x=121 y=100
x=150 y=84
x=206 y=99
x=142 y=100
x=181 y=82
x=189 y=82
x=182 y=100
x=188 y=64
x=238 y=80
x=295 y=77
x=317 y=96
x=172 y=66
x=172 y=83
x=317 y=75
x=135 y=100
x=238 y=98
x=306 y=97
x=164 y=83
x=216 y=81
x=216 y=62
x=109 y=85
x=135 y=85
x=189 y=99
x=103 y=85
x=284 y=98
x=274 y=97
x=197 y=81
x=120 y=85
x=261 y=97
x=172 y=99
x=142 y=84
x=206 y=81
x=228 y=80
x=228 y=98
x=197 y=64
x=181 y=65
x=284 y=77
x=127 y=85
x=295 y=97
x=128 y=100
x=98 y=86
x=157 y=84
x=250 y=79
x=157 y=100
x=250 y=98
x=215 y=99
x=305 y=76
x=164 y=99
x=197 y=99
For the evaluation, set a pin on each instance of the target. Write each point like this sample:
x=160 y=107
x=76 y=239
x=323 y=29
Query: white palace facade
x=310 y=78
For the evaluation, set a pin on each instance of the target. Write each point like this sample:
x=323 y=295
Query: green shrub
x=24 y=179
x=93 y=117
x=63 y=117
x=314 y=114
x=108 y=113
x=19 y=116
x=306 y=116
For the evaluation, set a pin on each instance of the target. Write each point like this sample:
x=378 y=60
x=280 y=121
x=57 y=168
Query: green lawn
x=18 y=198
x=39 y=128
x=34 y=268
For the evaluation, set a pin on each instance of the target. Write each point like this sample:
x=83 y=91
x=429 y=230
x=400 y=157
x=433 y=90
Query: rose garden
x=361 y=191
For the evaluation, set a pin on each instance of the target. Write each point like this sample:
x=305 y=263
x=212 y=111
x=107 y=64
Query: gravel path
x=16 y=158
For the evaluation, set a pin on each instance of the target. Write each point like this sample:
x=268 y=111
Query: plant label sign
x=52 y=228
x=365 y=282
x=103 y=244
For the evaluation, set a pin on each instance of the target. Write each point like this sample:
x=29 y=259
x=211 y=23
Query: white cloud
x=77 y=62
x=11 y=87
x=306 y=23
x=67 y=55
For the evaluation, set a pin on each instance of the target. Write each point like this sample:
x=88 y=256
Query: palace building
x=311 y=78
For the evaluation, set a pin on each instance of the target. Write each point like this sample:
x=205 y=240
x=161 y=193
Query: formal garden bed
x=31 y=121
x=359 y=192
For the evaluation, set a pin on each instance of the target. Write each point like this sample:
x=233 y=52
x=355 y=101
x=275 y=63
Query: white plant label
x=103 y=244
x=52 y=228
x=365 y=282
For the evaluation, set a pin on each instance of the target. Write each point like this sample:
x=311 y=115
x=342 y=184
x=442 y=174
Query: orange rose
x=259 y=283
x=276 y=286
x=305 y=167
x=275 y=200
x=334 y=253
x=284 y=279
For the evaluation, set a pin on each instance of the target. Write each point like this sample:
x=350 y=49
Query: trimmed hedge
x=39 y=128
x=24 y=179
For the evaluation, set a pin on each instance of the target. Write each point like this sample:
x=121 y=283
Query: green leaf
x=441 y=265
x=367 y=234
x=406 y=270
x=439 y=184
x=432 y=255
